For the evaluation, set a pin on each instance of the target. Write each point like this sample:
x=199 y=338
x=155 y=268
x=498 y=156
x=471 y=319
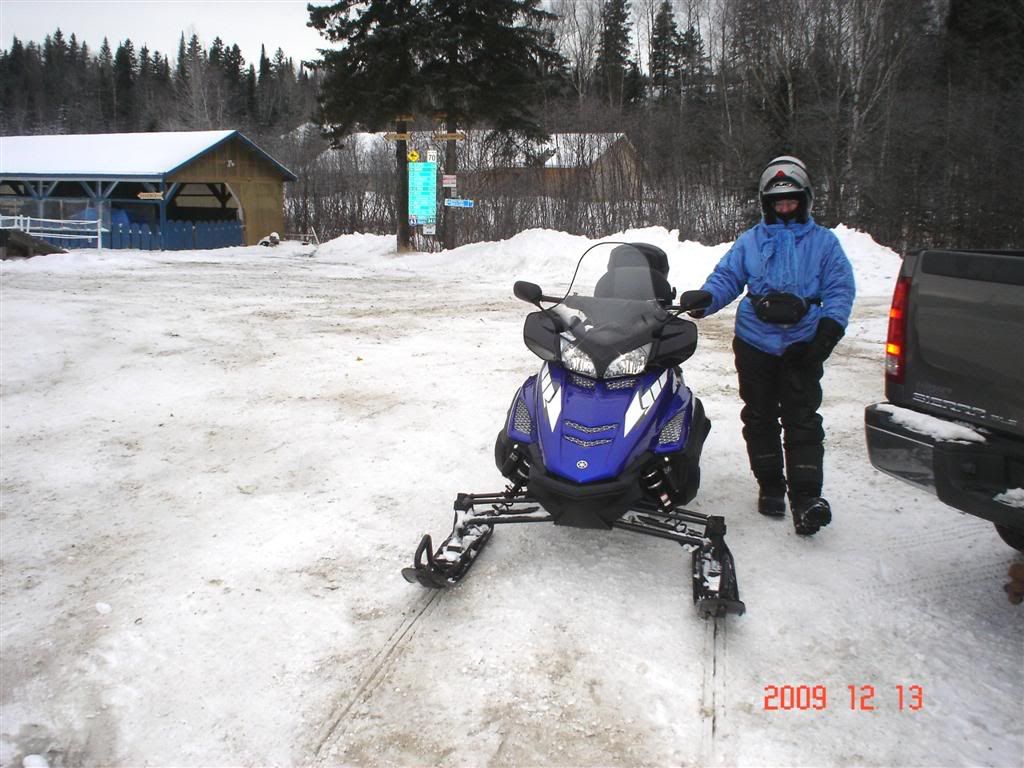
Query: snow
x=104 y=154
x=930 y=426
x=1012 y=498
x=236 y=451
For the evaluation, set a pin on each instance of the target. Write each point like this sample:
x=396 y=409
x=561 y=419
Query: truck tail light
x=896 y=341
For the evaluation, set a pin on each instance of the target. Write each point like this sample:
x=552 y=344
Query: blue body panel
x=592 y=433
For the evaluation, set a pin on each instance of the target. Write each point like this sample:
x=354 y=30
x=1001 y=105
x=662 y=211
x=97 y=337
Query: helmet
x=786 y=176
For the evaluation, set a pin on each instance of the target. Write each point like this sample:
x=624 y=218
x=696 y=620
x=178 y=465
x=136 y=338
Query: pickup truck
x=954 y=381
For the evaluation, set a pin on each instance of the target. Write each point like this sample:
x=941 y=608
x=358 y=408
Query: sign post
x=401 y=137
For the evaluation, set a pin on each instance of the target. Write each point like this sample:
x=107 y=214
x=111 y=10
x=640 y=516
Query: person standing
x=800 y=291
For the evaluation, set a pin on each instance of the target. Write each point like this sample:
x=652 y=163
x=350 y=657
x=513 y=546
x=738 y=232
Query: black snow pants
x=772 y=392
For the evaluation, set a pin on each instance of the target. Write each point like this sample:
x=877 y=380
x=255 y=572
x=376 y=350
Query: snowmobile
x=607 y=434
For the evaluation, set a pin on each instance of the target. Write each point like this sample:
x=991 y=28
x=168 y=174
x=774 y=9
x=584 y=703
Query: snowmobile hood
x=591 y=429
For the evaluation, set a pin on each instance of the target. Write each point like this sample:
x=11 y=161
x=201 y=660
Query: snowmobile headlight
x=629 y=364
x=575 y=359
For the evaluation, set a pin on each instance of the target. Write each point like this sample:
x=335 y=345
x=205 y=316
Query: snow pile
x=548 y=258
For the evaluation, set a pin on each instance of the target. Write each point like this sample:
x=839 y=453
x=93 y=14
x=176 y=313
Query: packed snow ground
x=215 y=463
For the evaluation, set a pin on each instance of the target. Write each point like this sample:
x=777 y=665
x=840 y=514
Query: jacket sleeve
x=726 y=282
x=837 y=281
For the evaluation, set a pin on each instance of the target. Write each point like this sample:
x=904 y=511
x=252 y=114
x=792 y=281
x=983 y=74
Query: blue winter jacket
x=805 y=259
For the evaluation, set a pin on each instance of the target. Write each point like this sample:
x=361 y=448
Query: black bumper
x=965 y=475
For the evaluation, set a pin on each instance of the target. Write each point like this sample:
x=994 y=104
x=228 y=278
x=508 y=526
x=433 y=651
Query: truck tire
x=1012 y=536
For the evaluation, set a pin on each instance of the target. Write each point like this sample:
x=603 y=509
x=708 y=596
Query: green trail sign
x=422 y=193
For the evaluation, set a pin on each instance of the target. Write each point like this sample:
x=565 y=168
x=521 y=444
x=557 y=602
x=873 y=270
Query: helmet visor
x=785 y=175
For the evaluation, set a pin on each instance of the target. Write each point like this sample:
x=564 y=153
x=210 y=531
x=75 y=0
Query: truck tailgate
x=966 y=338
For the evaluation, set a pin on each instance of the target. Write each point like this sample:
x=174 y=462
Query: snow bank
x=539 y=255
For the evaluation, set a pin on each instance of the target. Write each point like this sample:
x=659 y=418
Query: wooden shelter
x=184 y=188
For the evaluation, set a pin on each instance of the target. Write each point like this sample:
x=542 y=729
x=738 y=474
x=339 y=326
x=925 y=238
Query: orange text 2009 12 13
x=859 y=698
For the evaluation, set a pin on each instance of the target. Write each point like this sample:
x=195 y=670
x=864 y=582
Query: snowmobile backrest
x=639 y=255
x=633 y=283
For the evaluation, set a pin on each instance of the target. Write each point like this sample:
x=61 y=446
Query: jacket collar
x=796 y=228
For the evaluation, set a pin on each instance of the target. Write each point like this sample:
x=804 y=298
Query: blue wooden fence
x=176 y=236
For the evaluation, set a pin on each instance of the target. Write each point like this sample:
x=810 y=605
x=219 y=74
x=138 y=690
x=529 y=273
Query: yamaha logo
x=582 y=464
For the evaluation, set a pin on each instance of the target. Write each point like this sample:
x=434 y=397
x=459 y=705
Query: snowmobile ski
x=715 y=589
x=451 y=560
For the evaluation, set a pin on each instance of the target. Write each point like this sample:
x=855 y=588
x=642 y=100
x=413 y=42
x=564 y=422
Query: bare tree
x=578 y=33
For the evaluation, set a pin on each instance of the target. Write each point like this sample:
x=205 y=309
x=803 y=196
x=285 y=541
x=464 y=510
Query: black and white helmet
x=786 y=176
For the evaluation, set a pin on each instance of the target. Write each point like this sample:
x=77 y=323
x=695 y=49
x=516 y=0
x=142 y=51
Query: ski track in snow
x=216 y=463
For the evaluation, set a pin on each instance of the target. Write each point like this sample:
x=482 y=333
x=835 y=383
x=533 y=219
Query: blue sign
x=422 y=192
x=455 y=202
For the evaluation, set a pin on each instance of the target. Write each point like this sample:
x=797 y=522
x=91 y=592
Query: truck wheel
x=1012 y=536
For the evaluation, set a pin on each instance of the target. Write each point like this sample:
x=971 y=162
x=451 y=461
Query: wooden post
x=451 y=166
x=402 y=158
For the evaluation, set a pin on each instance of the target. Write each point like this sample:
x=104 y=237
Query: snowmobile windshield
x=614 y=310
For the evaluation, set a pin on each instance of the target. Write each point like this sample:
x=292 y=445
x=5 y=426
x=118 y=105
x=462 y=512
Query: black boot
x=810 y=514
x=771 y=501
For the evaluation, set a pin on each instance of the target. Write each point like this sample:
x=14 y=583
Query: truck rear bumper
x=965 y=475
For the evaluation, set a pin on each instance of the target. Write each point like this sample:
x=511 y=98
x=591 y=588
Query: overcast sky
x=158 y=24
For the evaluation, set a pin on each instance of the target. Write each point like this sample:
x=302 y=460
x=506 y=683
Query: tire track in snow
x=713 y=689
x=375 y=672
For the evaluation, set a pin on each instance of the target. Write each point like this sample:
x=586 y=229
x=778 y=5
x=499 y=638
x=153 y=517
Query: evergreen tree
x=216 y=53
x=57 y=70
x=125 y=103
x=374 y=75
x=234 y=75
x=181 y=71
x=666 y=55
x=986 y=40
x=693 y=63
x=105 y=83
x=485 y=61
x=612 y=61
x=251 y=93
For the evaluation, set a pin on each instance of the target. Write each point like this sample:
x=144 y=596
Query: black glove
x=824 y=341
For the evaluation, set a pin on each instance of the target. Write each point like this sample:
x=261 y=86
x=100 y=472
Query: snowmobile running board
x=715 y=589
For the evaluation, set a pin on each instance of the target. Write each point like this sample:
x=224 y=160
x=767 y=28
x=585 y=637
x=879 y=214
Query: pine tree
x=105 y=83
x=125 y=103
x=693 y=64
x=181 y=68
x=666 y=55
x=613 y=52
x=56 y=73
x=485 y=62
x=374 y=76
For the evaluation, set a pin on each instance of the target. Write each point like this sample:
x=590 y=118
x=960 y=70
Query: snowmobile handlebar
x=691 y=301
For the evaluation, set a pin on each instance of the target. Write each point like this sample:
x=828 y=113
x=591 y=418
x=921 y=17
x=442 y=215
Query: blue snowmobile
x=607 y=434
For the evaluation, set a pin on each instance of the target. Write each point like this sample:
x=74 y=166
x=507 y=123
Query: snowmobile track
x=375 y=671
x=713 y=693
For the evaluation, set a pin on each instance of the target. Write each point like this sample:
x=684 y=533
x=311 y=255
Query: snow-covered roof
x=575 y=150
x=111 y=155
